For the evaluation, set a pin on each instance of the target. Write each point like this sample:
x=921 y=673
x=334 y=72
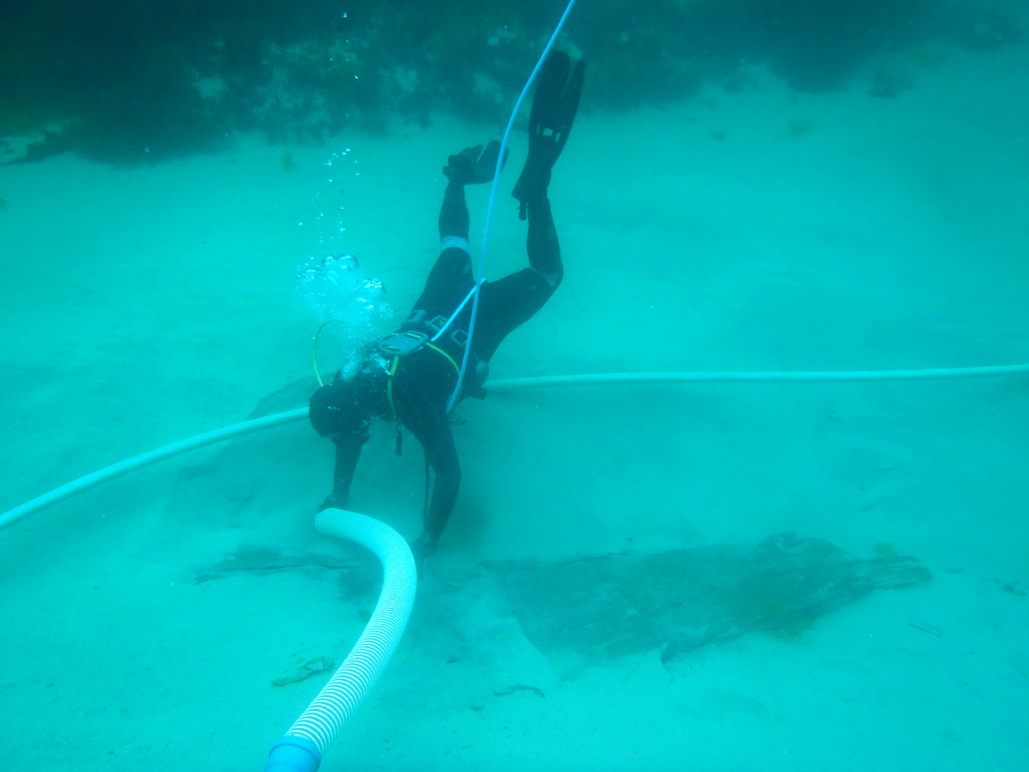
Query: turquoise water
x=754 y=224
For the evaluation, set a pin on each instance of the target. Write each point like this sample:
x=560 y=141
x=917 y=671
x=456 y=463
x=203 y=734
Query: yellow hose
x=314 y=351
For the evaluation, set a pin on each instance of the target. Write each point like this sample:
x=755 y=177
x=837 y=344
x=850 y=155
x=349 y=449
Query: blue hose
x=301 y=749
x=145 y=459
x=758 y=376
x=588 y=379
x=489 y=210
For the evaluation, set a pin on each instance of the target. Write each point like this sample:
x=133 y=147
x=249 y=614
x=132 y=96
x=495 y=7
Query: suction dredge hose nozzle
x=301 y=749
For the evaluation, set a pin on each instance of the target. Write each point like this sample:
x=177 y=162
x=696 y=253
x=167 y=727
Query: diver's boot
x=554 y=106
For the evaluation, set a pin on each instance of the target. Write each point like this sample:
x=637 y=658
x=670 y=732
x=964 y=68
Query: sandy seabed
x=753 y=231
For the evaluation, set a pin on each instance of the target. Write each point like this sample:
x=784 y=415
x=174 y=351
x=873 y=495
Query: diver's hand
x=474 y=164
x=334 y=501
x=422 y=549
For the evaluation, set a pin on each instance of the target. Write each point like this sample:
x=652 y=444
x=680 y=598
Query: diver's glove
x=475 y=164
x=422 y=549
x=334 y=501
x=554 y=106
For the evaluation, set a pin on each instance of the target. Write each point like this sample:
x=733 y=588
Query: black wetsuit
x=417 y=392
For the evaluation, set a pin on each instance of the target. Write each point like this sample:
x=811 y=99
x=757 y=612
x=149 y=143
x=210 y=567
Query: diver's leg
x=451 y=276
x=431 y=426
x=470 y=166
x=554 y=105
x=453 y=267
x=511 y=301
x=542 y=245
x=453 y=217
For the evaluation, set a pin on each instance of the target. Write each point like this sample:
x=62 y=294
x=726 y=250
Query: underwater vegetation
x=308 y=668
x=133 y=81
x=680 y=600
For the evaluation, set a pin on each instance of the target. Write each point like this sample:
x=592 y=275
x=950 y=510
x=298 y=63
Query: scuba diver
x=410 y=377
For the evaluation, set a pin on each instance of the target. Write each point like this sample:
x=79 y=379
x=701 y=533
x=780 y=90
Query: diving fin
x=475 y=164
x=554 y=106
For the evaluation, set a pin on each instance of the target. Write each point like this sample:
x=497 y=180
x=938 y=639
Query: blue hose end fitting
x=293 y=754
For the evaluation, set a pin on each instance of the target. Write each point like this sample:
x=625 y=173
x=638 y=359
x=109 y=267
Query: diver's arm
x=348 y=451
x=444 y=494
x=433 y=431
